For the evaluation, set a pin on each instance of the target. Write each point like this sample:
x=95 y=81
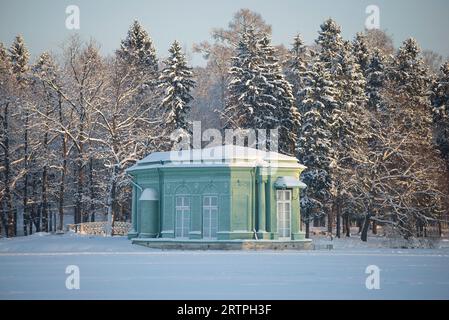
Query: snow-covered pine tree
x=138 y=50
x=297 y=65
x=370 y=171
x=19 y=57
x=440 y=107
x=211 y=90
x=331 y=43
x=331 y=47
x=138 y=55
x=348 y=121
x=259 y=95
x=243 y=86
x=440 y=104
x=375 y=80
x=4 y=59
x=315 y=140
x=361 y=51
x=410 y=74
x=278 y=108
x=351 y=97
x=177 y=82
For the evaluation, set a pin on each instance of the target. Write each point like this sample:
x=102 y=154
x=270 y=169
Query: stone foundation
x=167 y=244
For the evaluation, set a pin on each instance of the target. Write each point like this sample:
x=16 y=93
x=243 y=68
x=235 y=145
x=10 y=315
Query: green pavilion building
x=220 y=197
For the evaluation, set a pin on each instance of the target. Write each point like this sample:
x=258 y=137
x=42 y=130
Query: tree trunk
x=91 y=189
x=44 y=199
x=307 y=222
x=122 y=213
x=26 y=213
x=330 y=221
x=348 y=226
x=366 y=223
x=54 y=221
x=80 y=173
x=2 y=218
x=9 y=217
x=338 y=226
x=35 y=212
x=63 y=171
x=79 y=191
x=61 y=193
x=45 y=181
x=374 y=226
x=111 y=202
x=3 y=224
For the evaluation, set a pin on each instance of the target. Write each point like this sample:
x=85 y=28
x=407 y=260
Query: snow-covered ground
x=111 y=268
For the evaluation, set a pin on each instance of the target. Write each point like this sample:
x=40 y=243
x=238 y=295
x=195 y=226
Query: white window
x=210 y=217
x=284 y=213
x=182 y=223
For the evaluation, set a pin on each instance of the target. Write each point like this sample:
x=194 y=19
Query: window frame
x=281 y=202
x=183 y=208
x=209 y=207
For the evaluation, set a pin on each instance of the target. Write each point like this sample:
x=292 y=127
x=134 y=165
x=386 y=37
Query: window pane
x=178 y=201
x=214 y=201
x=206 y=201
x=280 y=195
x=206 y=223
x=178 y=230
x=186 y=225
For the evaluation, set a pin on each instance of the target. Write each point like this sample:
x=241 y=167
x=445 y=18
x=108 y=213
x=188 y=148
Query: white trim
x=209 y=208
x=183 y=209
x=223 y=156
x=284 y=202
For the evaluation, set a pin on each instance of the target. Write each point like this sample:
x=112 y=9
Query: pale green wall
x=236 y=188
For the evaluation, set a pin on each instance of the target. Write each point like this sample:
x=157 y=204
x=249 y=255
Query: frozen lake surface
x=111 y=268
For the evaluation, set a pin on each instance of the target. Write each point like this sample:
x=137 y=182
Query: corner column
x=261 y=206
x=133 y=232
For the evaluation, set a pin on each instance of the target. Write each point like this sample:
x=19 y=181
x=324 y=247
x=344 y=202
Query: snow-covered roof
x=218 y=156
x=289 y=182
x=149 y=194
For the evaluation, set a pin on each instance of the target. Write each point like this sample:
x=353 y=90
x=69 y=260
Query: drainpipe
x=253 y=173
x=134 y=218
x=255 y=234
x=135 y=184
x=261 y=202
x=160 y=201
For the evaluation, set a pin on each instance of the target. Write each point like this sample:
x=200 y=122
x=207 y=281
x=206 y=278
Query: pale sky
x=42 y=23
